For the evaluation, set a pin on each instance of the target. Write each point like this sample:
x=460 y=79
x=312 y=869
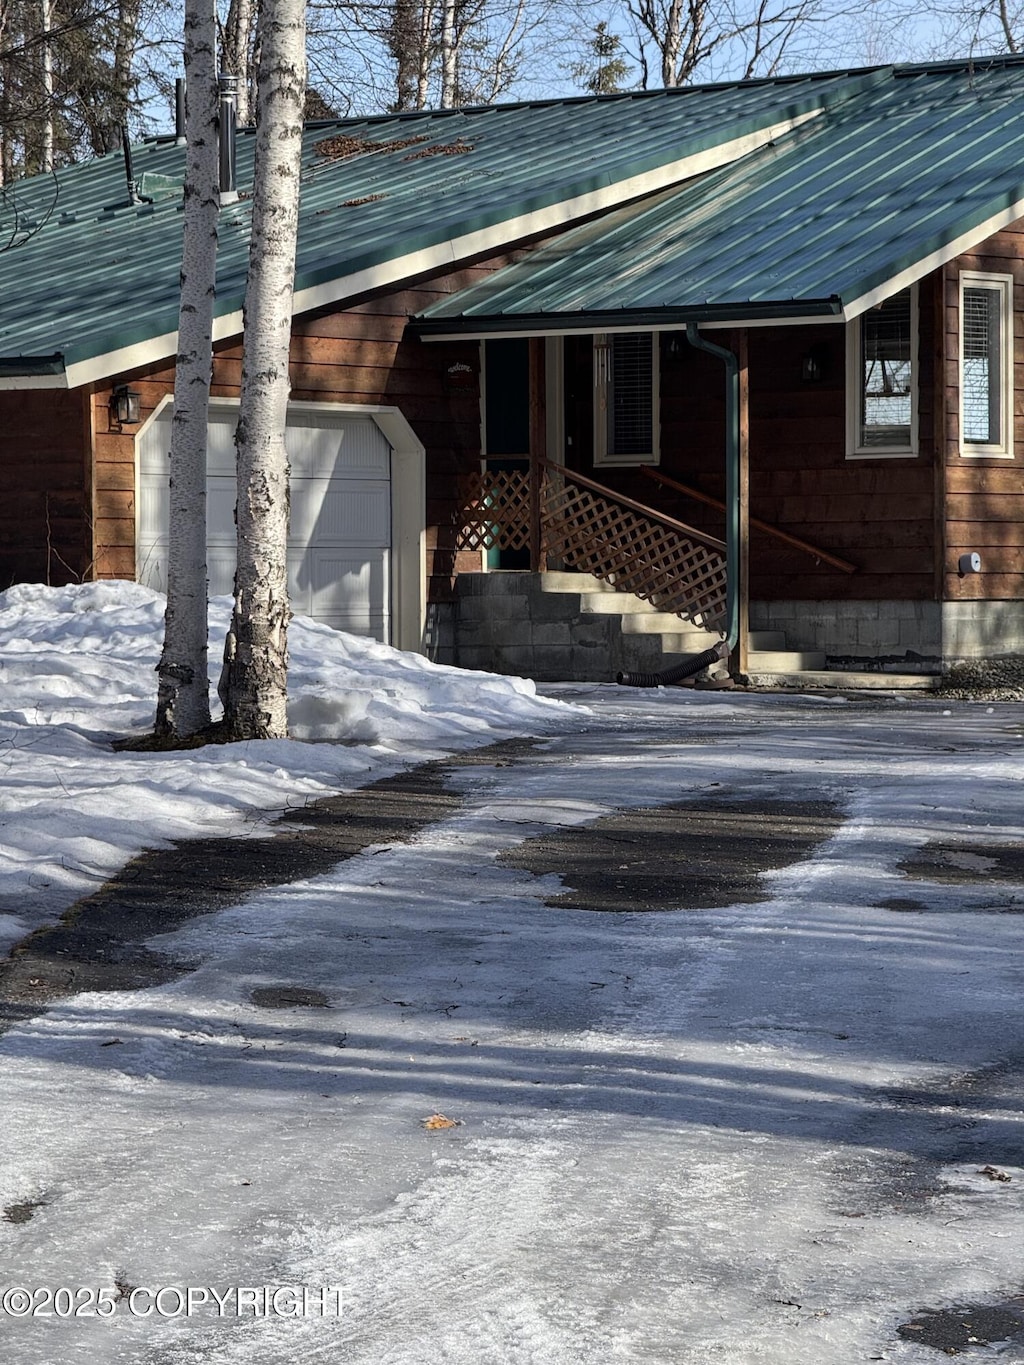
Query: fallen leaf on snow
x=440 y=1121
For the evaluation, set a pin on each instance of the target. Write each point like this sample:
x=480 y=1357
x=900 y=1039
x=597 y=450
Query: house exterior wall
x=902 y=521
x=44 y=488
x=982 y=497
x=876 y=513
x=359 y=355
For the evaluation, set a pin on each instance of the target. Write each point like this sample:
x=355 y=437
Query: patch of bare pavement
x=99 y=944
x=678 y=856
x=956 y=1330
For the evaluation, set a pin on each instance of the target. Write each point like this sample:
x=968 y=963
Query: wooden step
x=785 y=661
x=844 y=680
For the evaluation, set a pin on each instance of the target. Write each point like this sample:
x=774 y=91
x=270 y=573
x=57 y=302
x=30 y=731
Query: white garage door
x=339 y=538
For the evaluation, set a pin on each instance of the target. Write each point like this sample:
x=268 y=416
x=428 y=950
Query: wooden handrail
x=843 y=565
x=652 y=515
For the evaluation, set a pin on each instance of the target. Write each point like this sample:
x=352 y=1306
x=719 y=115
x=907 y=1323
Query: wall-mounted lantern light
x=813 y=365
x=125 y=406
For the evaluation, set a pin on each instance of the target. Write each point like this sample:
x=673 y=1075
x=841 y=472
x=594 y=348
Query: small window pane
x=982 y=366
x=631 y=387
x=886 y=356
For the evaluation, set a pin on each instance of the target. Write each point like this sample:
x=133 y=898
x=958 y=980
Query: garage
x=356 y=527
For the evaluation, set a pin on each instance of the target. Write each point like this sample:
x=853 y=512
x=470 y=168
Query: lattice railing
x=595 y=530
x=494 y=510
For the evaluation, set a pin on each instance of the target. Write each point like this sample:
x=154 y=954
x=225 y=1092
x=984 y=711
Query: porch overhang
x=481 y=326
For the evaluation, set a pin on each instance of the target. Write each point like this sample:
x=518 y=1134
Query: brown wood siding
x=876 y=513
x=984 y=497
x=361 y=355
x=44 y=480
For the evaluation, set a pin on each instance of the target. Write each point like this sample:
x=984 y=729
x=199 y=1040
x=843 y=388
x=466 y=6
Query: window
x=986 y=365
x=626 y=398
x=882 y=379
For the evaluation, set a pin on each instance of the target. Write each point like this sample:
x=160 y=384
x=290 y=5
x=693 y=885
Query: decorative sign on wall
x=460 y=377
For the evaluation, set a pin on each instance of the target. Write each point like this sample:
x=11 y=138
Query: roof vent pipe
x=134 y=197
x=179 y=111
x=228 y=86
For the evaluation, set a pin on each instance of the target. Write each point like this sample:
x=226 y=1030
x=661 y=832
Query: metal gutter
x=28 y=365
x=625 y=320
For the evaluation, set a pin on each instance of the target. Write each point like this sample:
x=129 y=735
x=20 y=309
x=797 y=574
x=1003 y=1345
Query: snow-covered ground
x=77 y=670
x=755 y=1133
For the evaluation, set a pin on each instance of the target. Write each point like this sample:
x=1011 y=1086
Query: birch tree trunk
x=45 y=26
x=237 y=49
x=183 y=694
x=254 y=684
x=449 y=56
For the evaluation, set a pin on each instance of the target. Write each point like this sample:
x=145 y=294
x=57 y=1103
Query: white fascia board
x=445 y=255
x=34 y=381
x=99 y=367
x=933 y=260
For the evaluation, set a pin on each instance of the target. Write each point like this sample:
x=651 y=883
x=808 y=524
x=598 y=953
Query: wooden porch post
x=739 y=662
x=538 y=447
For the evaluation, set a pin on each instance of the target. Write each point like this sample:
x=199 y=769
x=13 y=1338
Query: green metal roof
x=880 y=186
x=885 y=162
x=86 y=273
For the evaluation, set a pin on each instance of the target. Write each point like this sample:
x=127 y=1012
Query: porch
x=617 y=581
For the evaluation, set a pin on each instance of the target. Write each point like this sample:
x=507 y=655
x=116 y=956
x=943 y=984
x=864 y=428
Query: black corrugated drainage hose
x=686 y=668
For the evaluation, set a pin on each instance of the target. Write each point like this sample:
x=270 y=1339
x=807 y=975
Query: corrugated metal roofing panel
x=86 y=273
x=833 y=210
x=827 y=209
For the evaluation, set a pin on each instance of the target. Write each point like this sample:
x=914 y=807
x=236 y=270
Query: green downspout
x=732 y=479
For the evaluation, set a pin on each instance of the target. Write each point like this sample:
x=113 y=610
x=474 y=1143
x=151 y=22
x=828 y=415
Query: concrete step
x=683 y=642
x=659 y=623
x=843 y=680
x=624 y=602
x=563 y=580
x=785 y=661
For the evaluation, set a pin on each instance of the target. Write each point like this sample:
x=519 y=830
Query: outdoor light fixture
x=125 y=406
x=812 y=366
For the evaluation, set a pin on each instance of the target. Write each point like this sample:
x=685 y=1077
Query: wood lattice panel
x=494 y=511
x=636 y=554
x=594 y=534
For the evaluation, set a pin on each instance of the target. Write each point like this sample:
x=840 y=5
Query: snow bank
x=77 y=669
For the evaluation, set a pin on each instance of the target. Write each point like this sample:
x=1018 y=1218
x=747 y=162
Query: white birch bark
x=238 y=53
x=183 y=696
x=423 y=54
x=254 y=681
x=449 y=56
x=47 y=77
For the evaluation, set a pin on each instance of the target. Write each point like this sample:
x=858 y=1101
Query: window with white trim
x=986 y=364
x=626 y=398
x=881 y=374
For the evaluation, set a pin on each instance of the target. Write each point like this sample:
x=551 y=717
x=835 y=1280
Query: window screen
x=630 y=384
x=982 y=365
x=886 y=378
